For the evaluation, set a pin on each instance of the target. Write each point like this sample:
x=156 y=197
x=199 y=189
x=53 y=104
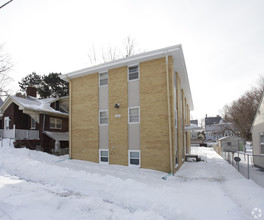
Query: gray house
x=231 y=144
x=257 y=131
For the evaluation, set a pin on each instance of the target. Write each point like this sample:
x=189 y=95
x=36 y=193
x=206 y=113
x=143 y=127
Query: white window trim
x=136 y=64
x=33 y=127
x=107 y=117
x=133 y=165
x=103 y=162
x=138 y=115
x=56 y=123
x=100 y=78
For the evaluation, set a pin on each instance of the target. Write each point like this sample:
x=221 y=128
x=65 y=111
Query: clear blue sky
x=222 y=39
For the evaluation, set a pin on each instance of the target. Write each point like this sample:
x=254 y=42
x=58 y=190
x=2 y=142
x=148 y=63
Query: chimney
x=31 y=91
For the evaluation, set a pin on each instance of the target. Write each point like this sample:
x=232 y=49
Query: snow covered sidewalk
x=36 y=185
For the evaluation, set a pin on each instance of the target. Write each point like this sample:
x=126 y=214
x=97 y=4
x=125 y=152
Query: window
x=6 y=122
x=103 y=79
x=262 y=143
x=133 y=115
x=103 y=156
x=134 y=157
x=133 y=73
x=103 y=117
x=55 y=123
x=33 y=124
x=228 y=144
x=175 y=118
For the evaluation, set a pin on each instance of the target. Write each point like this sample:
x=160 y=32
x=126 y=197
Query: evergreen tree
x=50 y=85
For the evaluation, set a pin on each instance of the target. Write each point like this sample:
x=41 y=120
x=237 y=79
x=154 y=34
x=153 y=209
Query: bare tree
x=5 y=67
x=129 y=46
x=5 y=4
x=112 y=53
x=242 y=111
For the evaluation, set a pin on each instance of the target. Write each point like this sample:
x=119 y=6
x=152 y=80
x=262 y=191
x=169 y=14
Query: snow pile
x=36 y=185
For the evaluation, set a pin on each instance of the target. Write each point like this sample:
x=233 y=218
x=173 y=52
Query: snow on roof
x=58 y=136
x=192 y=127
x=35 y=104
x=227 y=137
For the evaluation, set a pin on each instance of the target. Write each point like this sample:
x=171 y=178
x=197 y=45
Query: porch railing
x=19 y=134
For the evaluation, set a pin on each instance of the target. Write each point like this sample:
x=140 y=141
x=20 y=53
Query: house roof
x=32 y=104
x=212 y=120
x=58 y=136
x=174 y=51
x=230 y=137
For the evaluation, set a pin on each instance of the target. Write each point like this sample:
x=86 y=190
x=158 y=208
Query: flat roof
x=174 y=51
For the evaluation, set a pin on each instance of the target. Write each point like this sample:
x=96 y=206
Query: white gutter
x=169 y=110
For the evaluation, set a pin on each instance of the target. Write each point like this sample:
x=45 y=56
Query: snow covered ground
x=36 y=185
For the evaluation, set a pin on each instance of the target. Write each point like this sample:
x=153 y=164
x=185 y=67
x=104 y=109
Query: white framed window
x=262 y=143
x=175 y=118
x=133 y=72
x=55 y=123
x=103 y=117
x=33 y=124
x=134 y=115
x=134 y=158
x=6 y=122
x=103 y=79
x=103 y=156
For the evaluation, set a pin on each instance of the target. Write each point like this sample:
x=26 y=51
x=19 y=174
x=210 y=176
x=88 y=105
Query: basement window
x=103 y=117
x=133 y=73
x=103 y=79
x=134 y=158
x=103 y=156
x=134 y=115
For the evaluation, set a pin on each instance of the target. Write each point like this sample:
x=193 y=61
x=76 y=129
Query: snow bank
x=35 y=184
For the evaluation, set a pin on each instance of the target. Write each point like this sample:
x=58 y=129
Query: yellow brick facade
x=84 y=118
x=118 y=126
x=154 y=139
x=154 y=120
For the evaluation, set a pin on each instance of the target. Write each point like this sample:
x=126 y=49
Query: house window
x=175 y=118
x=33 y=124
x=103 y=79
x=55 y=123
x=262 y=143
x=133 y=73
x=228 y=144
x=133 y=115
x=6 y=122
x=134 y=157
x=103 y=156
x=103 y=117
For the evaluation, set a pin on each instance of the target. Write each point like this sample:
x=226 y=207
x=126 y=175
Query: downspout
x=70 y=118
x=169 y=111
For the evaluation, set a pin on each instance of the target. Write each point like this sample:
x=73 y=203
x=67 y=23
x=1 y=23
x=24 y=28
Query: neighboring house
x=194 y=122
x=132 y=111
x=216 y=128
x=231 y=144
x=1 y=103
x=257 y=131
x=196 y=132
x=40 y=124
